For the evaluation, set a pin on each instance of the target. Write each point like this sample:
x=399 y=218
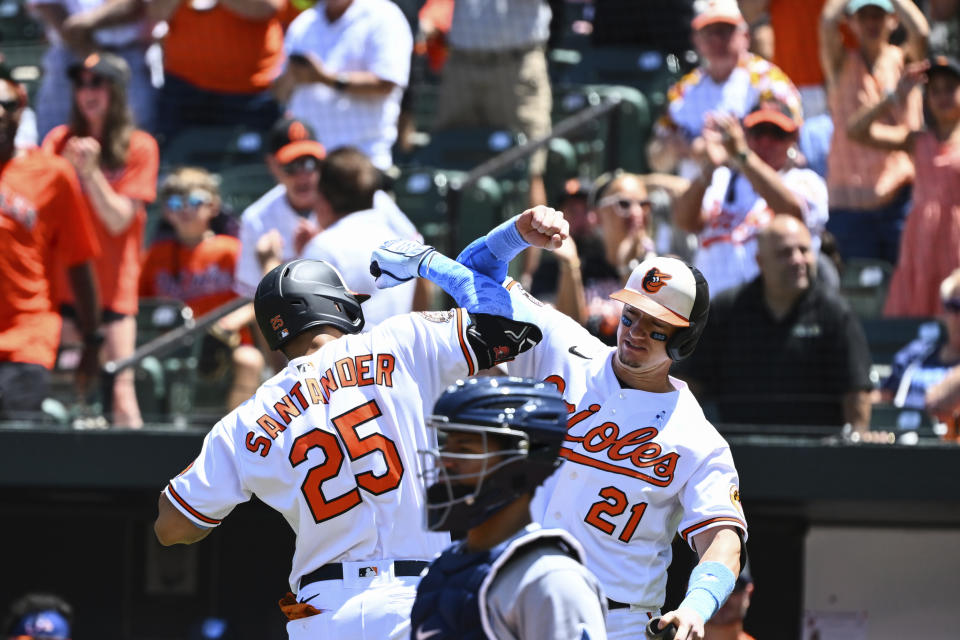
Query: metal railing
x=608 y=108
x=162 y=345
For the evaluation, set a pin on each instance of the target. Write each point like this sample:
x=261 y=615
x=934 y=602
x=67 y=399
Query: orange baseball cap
x=773 y=112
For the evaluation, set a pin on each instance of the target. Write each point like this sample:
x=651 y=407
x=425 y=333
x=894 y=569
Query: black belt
x=335 y=571
x=613 y=604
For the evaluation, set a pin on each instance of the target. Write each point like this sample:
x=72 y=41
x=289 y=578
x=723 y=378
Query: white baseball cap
x=663 y=288
x=712 y=11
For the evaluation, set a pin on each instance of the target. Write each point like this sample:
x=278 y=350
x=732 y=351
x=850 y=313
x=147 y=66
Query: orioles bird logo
x=654 y=280
x=276 y=322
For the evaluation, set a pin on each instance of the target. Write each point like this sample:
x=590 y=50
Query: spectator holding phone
x=348 y=62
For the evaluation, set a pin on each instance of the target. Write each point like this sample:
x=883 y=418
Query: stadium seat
x=25 y=60
x=241 y=185
x=17 y=26
x=213 y=148
x=886 y=336
x=422 y=195
x=593 y=141
x=463 y=149
x=650 y=72
x=864 y=283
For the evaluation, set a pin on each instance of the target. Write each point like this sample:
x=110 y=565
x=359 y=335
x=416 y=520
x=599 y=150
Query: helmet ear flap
x=682 y=343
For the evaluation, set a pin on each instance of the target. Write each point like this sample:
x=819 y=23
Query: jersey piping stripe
x=463 y=343
x=196 y=514
x=686 y=532
x=510 y=285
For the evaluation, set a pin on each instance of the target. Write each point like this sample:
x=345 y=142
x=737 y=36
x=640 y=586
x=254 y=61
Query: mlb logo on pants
x=368 y=572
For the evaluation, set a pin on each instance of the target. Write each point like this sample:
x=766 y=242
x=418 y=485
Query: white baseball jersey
x=331 y=443
x=734 y=215
x=272 y=210
x=362 y=232
x=640 y=467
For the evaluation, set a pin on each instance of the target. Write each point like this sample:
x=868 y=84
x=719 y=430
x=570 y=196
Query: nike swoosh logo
x=309 y=599
x=574 y=351
x=423 y=635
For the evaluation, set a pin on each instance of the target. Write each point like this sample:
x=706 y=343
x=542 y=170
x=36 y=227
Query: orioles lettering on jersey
x=606 y=438
x=358 y=371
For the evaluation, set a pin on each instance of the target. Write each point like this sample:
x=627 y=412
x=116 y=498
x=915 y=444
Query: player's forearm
x=720 y=544
x=172 y=527
x=116 y=211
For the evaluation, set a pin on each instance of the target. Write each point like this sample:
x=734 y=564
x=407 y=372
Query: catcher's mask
x=498 y=438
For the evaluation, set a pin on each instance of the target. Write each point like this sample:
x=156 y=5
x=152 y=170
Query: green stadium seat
x=864 y=283
x=592 y=141
x=886 y=336
x=651 y=72
x=241 y=185
x=213 y=148
x=422 y=195
x=17 y=25
x=25 y=60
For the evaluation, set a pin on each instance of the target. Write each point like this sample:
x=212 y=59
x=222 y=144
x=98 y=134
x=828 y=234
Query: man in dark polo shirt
x=781 y=349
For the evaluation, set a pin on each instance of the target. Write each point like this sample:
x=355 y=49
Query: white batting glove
x=397 y=261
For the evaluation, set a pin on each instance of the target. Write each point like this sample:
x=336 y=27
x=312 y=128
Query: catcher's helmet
x=674 y=292
x=527 y=420
x=301 y=294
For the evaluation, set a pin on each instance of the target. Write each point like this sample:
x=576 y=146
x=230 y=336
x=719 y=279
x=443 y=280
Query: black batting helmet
x=301 y=294
x=525 y=419
x=675 y=293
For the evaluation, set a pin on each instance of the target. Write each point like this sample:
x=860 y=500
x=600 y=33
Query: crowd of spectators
x=827 y=127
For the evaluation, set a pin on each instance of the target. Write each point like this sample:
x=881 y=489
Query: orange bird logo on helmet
x=654 y=280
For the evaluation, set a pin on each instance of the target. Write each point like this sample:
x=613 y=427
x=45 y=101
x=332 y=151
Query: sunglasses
x=767 y=130
x=622 y=204
x=306 y=163
x=10 y=105
x=952 y=305
x=194 y=200
x=92 y=82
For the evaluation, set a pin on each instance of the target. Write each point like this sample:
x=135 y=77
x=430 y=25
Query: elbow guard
x=496 y=339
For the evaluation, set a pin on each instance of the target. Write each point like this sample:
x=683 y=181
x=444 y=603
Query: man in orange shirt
x=220 y=58
x=44 y=220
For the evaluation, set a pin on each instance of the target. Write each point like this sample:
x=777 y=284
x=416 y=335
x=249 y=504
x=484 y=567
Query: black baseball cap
x=773 y=112
x=291 y=138
x=104 y=64
x=947 y=64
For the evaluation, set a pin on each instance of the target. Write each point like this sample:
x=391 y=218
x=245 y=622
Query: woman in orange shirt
x=117 y=166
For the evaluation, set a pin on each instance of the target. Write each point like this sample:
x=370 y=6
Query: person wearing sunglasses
x=45 y=220
x=197 y=266
x=594 y=264
x=117 y=166
x=748 y=172
x=295 y=159
x=920 y=372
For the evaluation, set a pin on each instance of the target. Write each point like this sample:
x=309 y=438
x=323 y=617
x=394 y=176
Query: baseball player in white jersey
x=330 y=442
x=641 y=461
